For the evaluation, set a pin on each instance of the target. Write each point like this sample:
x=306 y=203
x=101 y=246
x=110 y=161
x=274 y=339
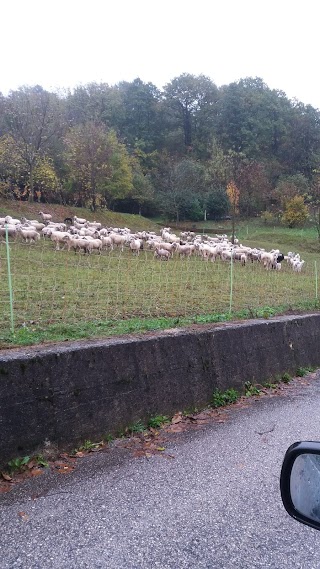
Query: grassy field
x=59 y=295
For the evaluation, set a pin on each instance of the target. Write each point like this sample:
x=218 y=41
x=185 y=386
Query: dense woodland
x=133 y=148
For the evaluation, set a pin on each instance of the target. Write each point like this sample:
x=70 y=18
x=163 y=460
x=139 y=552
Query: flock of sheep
x=79 y=235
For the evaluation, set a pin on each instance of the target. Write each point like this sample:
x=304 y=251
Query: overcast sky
x=64 y=43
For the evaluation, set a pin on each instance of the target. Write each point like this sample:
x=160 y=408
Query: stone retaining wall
x=69 y=392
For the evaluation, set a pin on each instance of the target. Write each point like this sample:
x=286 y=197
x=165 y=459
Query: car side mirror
x=300 y=482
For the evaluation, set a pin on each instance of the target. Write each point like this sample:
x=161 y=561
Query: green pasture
x=59 y=295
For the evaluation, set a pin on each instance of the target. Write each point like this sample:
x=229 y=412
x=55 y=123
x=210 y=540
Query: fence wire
x=52 y=287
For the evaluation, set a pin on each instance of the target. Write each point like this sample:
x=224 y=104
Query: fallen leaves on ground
x=65 y=464
x=23 y=516
x=154 y=441
x=144 y=445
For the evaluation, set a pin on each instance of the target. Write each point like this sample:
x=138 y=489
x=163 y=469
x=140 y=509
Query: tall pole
x=9 y=281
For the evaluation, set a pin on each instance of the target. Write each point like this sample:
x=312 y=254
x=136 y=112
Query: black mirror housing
x=300 y=482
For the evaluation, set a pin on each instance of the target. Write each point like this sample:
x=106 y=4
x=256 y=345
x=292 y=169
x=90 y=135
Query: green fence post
x=316 y=276
x=9 y=281
x=231 y=282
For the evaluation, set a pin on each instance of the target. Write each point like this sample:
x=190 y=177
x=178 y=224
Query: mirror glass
x=305 y=485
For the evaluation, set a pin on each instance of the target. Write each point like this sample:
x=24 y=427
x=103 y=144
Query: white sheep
x=94 y=224
x=162 y=254
x=118 y=240
x=269 y=260
x=75 y=243
x=297 y=266
x=135 y=245
x=79 y=220
x=93 y=245
x=106 y=242
x=28 y=234
x=45 y=216
x=183 y=250
x=36 y=225
x=12 y=230
x=11 y=221
x=168 y=247
x=58 y=237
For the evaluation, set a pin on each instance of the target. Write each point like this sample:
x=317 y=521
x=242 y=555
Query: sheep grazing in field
x=45 y=216
x=118 y=240
x=79 y=225
x=269 y=260
x=297 y=266
x=11 y=229
x=93 y=245
x=58 y=237
x=162 y=254
x=11 y=221
x=106 y=242
x=94 y=224
x=36 y=225
x=28 y=234
x=135 y=245
x=75 y=243
x=79 y=220
x=183 y=250
x=88 y=232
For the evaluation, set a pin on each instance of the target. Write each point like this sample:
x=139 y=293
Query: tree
x=96 y=102
x=190 y=98
x=118 y=184
x=12 y=167
x=301 y=151
x=46 y=182
x=142 y=189
x=88 y=155
x=34 y=117
x=296 y=212
x=313 y=201
x=288 y=187
x=254 y=187
x=218 y=204
x=141 y=122
x=234 y=196
x=190 y=178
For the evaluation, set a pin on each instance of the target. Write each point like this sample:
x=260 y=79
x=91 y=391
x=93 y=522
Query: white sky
x=64 y=43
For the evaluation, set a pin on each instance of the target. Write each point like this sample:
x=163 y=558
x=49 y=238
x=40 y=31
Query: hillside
x=59 y=212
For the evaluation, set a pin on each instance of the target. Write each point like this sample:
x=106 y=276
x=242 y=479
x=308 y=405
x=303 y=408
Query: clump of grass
x=16 y=464
x=250 y=389
x=20 y=464
x=222 y=398
x=301 y=371
x=270 y=385
x=157 y=421
x=137 y=427
x=286 y=377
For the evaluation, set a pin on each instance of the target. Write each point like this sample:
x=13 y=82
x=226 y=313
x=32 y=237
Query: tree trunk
x=31 y=192
x=233 y=226
x=93 y=189
x=187 y=127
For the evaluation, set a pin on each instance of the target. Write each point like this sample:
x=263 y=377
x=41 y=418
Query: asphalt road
x=216 y=504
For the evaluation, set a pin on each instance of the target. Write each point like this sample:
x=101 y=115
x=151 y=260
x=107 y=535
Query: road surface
x=210 y=500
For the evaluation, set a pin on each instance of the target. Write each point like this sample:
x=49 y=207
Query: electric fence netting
x=40 y=286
